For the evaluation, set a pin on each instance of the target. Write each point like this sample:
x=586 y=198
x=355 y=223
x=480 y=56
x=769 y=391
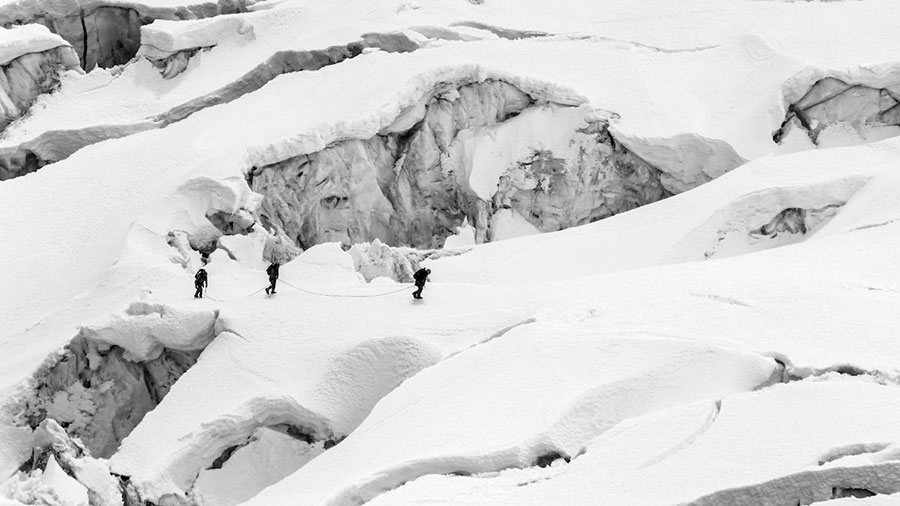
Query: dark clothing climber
x=199 y=283
x=420 y=277
x=272 y=271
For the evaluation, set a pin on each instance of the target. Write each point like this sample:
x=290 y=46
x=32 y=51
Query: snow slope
x=813 y=419
x=697 y=350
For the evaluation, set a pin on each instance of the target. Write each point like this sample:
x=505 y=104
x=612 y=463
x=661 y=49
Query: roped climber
x=420 y=277
x=200 y=281
x=272 y=271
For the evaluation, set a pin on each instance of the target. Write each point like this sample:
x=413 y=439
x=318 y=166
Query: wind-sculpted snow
x=679 y=457
x=314 y=376
x=580 y=384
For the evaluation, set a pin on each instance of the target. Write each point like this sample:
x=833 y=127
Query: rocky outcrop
x=469 y=151
x=106 y=34
x=24 y=78
x=831 y=101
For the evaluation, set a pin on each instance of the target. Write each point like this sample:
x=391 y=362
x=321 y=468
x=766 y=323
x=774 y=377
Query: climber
x=272 y=271
x=199 y=283
x=420 y=277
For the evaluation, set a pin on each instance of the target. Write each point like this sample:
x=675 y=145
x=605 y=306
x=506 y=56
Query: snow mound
x=708 y=453
x=145 y=329
x=21 y=40
x=579 y=384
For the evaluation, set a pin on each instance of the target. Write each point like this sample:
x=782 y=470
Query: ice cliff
x=486 y=153
x=106 y=33
x=31 y=61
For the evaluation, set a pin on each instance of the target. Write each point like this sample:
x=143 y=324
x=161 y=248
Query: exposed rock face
x=106 y=35
x=466 y=152
x=830 y=101
x=26 y=77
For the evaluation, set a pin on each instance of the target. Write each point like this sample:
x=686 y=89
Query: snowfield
x=669 y=272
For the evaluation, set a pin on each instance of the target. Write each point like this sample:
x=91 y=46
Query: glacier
x=662 y=236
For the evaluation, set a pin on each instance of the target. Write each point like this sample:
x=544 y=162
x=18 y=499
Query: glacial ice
x=464 y=153
x=105 y=33
x=31 y=61
x=633 y=359
x=865 y=99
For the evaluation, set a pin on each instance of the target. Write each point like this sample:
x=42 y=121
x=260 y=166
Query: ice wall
x=106 y=33
x=861 y=101
x=111 y=375
x=480 y=152
x=31 y=61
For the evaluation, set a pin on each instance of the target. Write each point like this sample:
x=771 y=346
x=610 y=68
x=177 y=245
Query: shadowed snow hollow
x=31 y=61
x=839 y=108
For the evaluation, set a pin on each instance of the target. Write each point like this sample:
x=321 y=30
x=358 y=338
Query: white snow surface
x=784 y=431
x=19 y=40
x=647 y=348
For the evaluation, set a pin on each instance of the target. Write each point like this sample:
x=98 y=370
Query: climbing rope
x=405 y=287
x=256 y=292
